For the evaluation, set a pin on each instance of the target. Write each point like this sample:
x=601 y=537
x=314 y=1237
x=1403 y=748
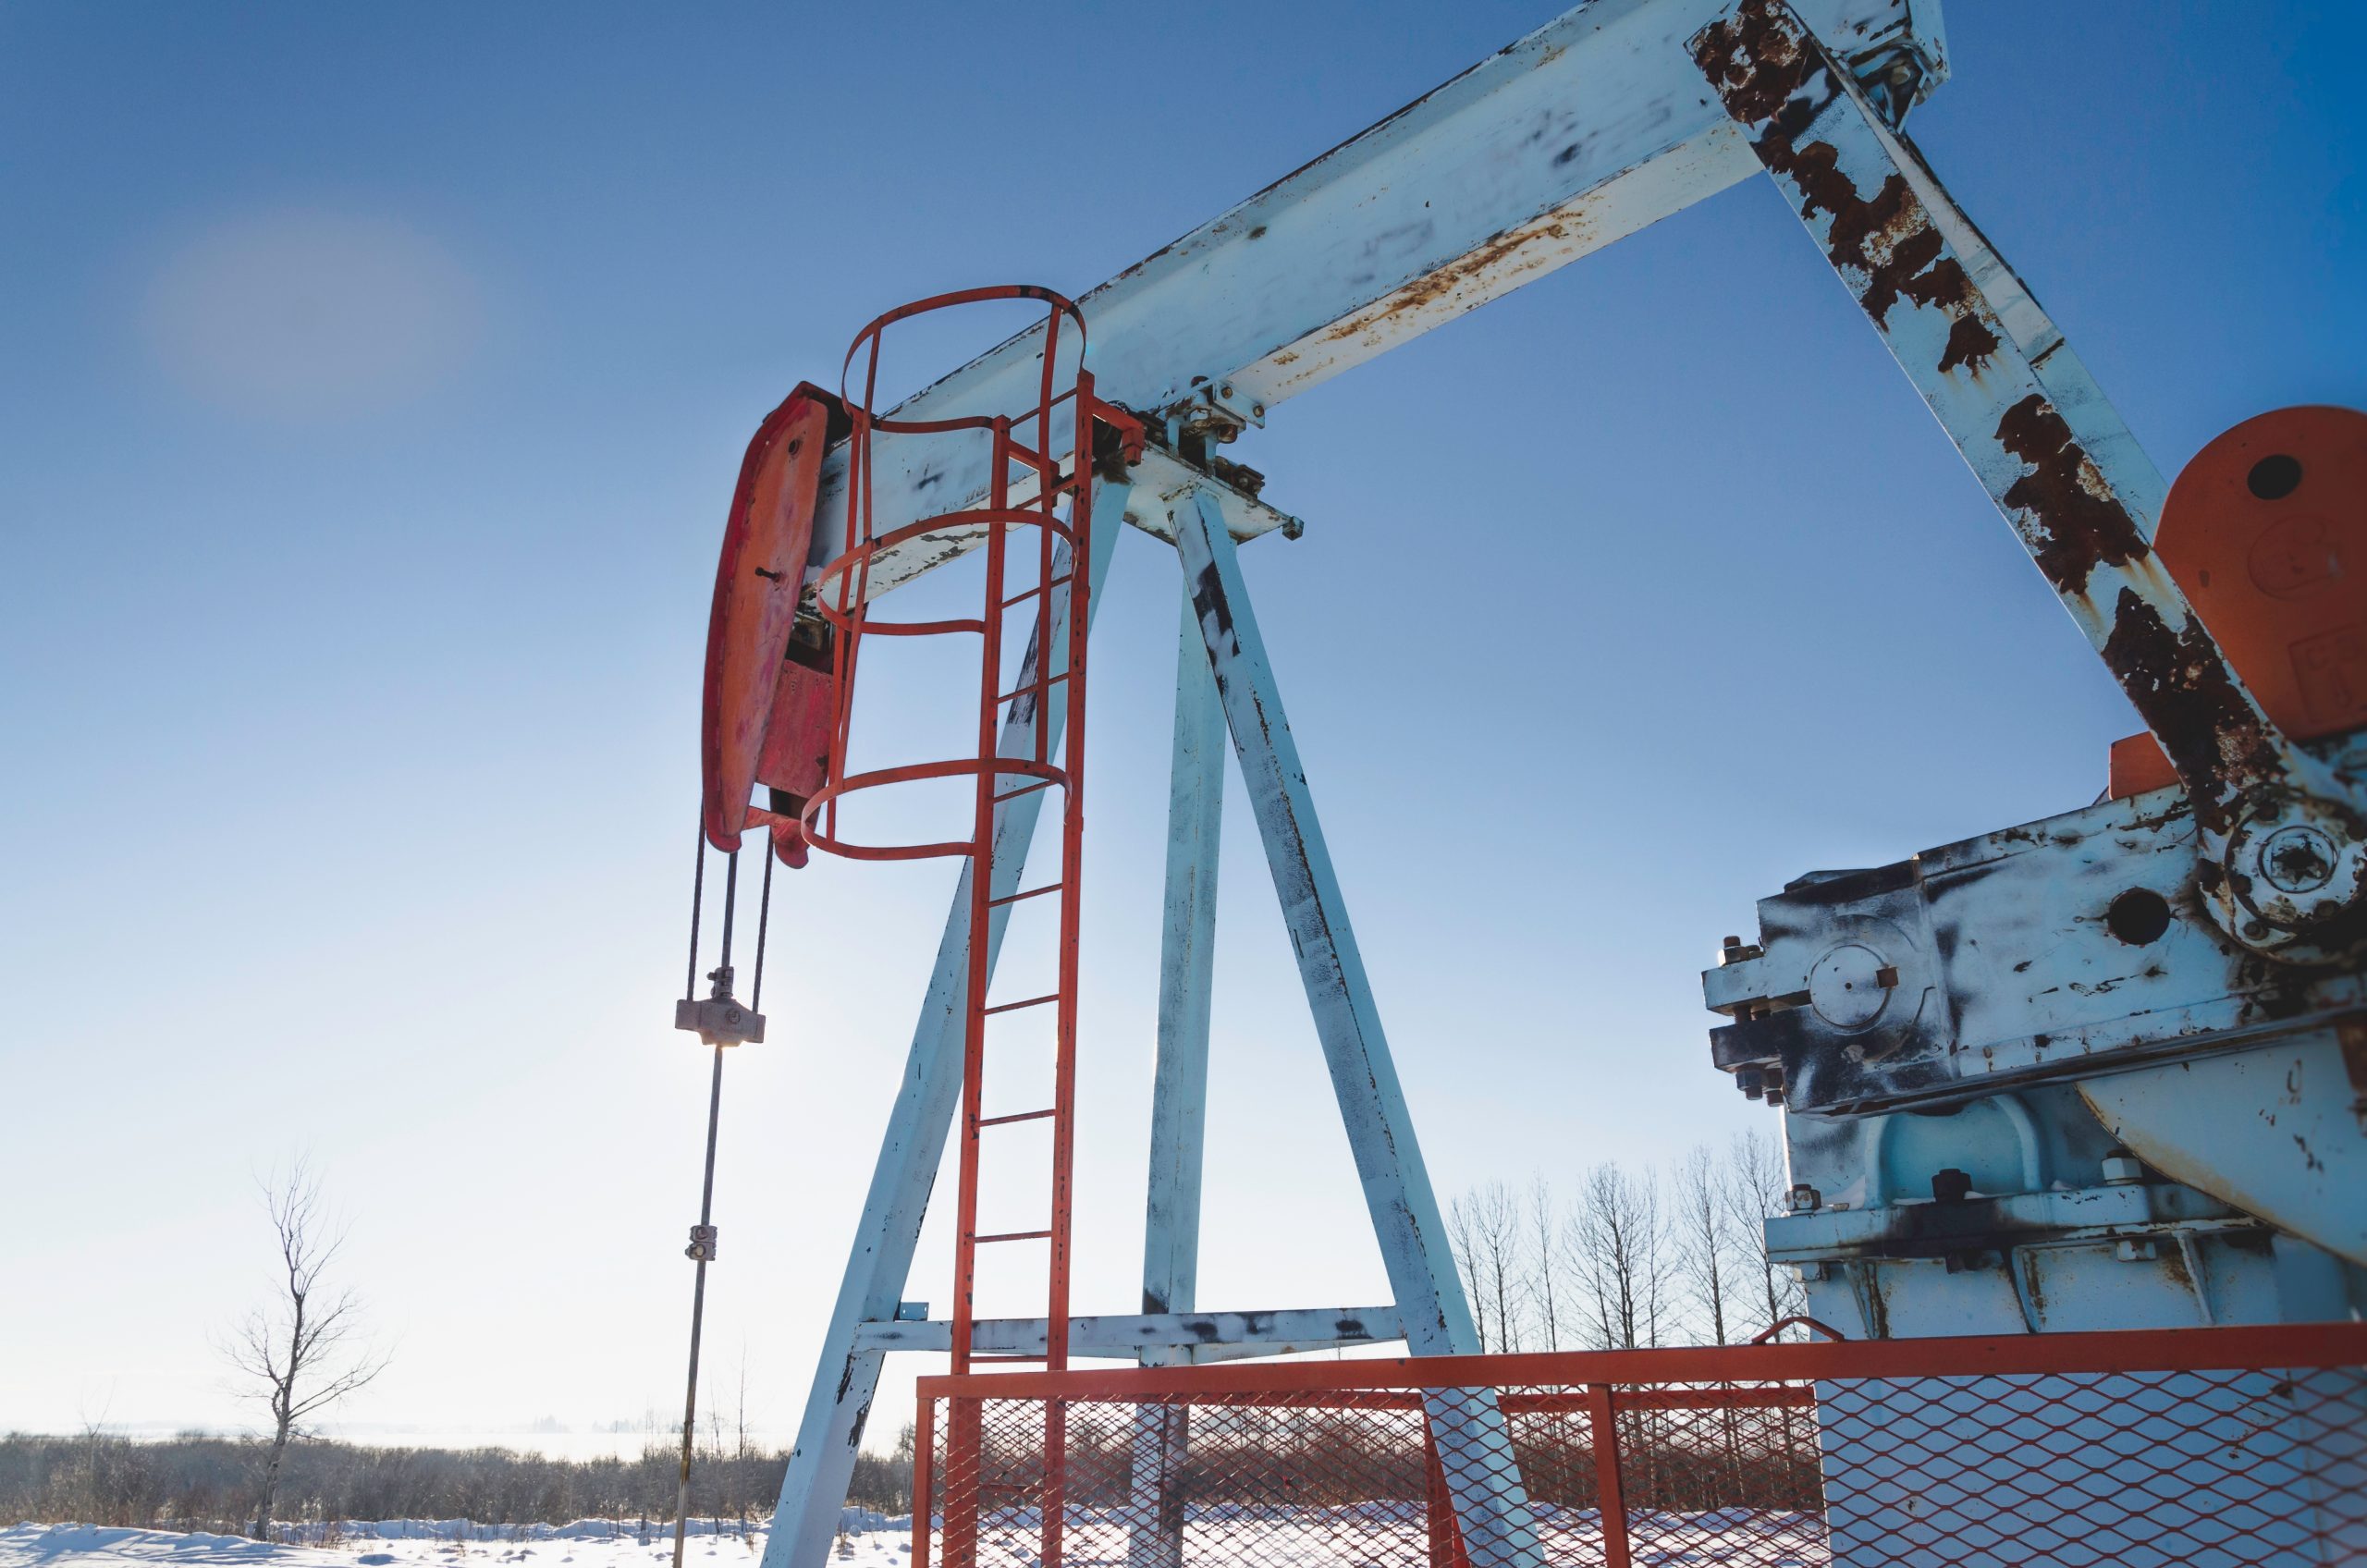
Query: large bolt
x=2300 y=859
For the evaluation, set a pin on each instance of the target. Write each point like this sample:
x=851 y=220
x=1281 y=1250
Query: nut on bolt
x=2122 y=1167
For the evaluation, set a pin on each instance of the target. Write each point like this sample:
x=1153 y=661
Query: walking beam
x=1591 y=128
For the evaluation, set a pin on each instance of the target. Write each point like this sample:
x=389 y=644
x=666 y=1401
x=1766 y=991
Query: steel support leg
x=814 y=1490
x=1475 y=1448
x=1180 y=1088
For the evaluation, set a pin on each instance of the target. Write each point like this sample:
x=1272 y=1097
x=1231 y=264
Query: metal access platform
x=2102 y=1072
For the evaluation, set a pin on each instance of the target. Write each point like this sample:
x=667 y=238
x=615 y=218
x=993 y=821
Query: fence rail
x=2216 y=1448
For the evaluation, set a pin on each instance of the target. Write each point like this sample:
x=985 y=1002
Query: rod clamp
x=719 y=1020
x=702 y=1247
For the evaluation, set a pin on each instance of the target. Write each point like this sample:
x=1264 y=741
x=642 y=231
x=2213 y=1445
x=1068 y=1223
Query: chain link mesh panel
x=2214 y=1468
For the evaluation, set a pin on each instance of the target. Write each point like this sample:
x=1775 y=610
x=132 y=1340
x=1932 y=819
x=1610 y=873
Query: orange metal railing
x=2214 y=1448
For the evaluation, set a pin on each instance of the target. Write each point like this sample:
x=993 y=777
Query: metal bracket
x=1216 y=411
x=1903 y=70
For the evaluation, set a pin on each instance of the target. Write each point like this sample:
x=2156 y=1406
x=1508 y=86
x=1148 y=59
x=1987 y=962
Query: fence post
x=924 y=1475
x=1055 y=1515
x=966 y=1477
x=1611 y=1504
x=1438 y=1507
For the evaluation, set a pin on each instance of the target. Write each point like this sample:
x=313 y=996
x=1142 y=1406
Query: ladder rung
x=1031 y=893
x=1032 y=686
x=976 y=1359
x=1026 y=790
x=1032 y=1002
x=1020 y=1116
x=1013 y=1237
x=1027 y=593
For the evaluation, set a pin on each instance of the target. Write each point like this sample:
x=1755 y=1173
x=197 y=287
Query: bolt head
x=2298 y=859
x=2120 y=1170
x=2294 y=866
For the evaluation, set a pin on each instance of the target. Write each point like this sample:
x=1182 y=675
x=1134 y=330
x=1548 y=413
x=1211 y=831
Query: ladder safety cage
x=1024 y=594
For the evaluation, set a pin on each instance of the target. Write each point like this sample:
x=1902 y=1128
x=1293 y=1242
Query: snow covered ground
x=871 y=1541
x=1354 y=1536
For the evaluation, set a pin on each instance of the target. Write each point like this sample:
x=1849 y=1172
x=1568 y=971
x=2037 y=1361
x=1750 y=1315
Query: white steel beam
x=814 y=1488
x=1474 y=1445
x=1589 y=129
x=1187 y=975
x=1125 y=1337
x=2073 y=484
x=1180 y=1088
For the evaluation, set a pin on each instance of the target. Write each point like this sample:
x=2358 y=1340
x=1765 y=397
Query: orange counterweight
x=2267 y=531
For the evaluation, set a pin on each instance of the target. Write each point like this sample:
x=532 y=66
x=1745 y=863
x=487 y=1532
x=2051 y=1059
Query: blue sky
x=372 y=386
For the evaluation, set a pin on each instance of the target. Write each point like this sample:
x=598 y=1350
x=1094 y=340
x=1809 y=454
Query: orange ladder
x=1024 y=486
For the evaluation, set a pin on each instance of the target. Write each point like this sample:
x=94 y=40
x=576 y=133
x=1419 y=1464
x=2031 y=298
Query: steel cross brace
x=2282 y=855
x=1474 y=1445
x=1144 y=1336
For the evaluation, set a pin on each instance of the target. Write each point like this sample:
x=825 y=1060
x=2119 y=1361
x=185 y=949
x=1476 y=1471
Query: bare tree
x=1752 y=1192
x=1484 y=1229
x=304 y=1351
x=1616 y=1240
x=1463 y=1240
x=1703 y=1240
x=1544 y=1261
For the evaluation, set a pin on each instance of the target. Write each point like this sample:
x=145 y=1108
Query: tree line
x=1628 y=1260
x=202 y=1482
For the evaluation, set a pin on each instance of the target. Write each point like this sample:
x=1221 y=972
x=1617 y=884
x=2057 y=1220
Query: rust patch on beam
x=1754 y=61
x=2084 y=523
x=2179 y=682
x=1884 y=246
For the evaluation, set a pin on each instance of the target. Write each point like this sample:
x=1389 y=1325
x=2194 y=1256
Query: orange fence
x=2209 y=1448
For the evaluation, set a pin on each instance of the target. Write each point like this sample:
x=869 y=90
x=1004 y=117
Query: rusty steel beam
x=2284 y=861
